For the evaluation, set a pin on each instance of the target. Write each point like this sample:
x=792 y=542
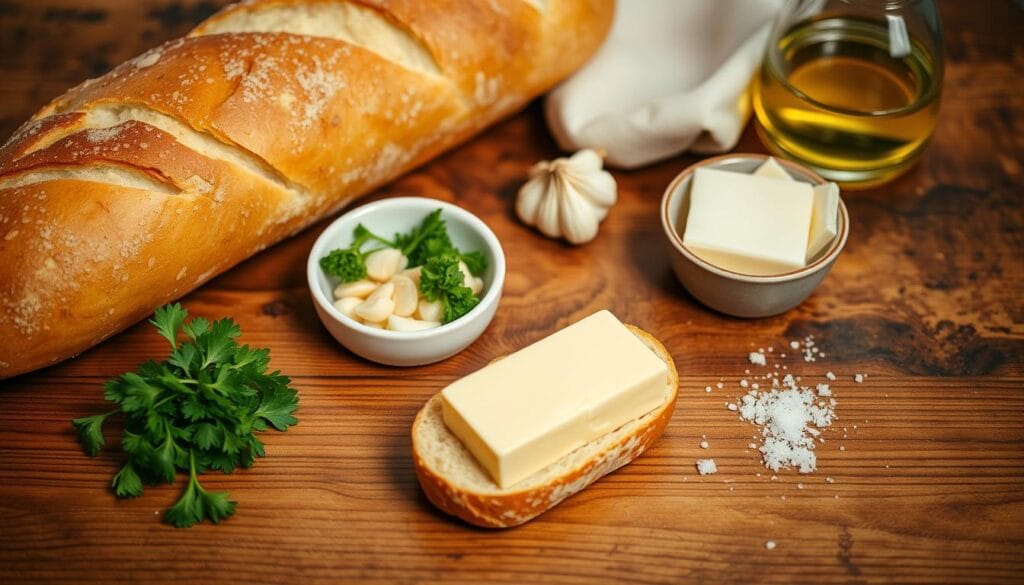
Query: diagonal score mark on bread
x=107 y=120
x=353 y=23
x=109 y=174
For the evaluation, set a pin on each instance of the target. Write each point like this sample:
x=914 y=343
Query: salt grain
x=830 y=376
x=704 y=445
x=770 y=545
x=858 y=378
x=757 y=358
x=706 y=466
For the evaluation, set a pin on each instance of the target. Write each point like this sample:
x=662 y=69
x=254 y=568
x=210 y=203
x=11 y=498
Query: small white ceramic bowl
x=733 y=293
x=400 y=348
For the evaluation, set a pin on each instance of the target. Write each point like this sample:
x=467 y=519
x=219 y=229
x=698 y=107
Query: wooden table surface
x=921 y=480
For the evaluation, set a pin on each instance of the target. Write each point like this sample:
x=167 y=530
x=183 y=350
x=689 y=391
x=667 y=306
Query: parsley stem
x=192 y=465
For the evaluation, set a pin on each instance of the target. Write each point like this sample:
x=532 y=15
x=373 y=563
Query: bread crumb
x=706 y=466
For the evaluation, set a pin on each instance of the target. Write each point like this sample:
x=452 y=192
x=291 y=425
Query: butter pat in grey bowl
x=407 y=348
x=760 y=270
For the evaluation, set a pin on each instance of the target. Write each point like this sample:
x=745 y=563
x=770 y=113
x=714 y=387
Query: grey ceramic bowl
x=733 y=293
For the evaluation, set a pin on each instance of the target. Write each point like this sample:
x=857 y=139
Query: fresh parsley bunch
x=198 y=410
x=428 y=240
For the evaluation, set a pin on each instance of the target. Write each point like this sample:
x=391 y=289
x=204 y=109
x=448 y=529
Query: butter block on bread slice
x=456 y=483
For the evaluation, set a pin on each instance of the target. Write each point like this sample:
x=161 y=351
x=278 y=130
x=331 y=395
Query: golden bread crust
x=132 y=189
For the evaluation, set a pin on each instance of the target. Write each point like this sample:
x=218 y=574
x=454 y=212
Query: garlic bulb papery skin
x=567 y=197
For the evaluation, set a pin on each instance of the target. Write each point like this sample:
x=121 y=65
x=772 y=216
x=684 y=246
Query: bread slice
x=457 y=484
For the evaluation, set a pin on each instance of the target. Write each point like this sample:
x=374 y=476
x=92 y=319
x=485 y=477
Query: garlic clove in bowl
x=567 y=197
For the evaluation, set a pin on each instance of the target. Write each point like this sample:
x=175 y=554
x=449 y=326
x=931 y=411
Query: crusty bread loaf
x=132 y=189
x=457 y=484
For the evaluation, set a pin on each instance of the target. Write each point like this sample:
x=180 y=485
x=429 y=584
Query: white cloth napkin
x=671 y=76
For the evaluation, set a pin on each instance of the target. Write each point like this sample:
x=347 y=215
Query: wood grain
x=926 y=460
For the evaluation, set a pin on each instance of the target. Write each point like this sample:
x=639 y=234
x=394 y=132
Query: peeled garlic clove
x=430 y=310
x=375 y=324
x=378 y=305
x=406 y=295
x=359 y=289
x=347 y=305
x=396 y=323
x=413 y=274
x=383 y=264
x=475 y=284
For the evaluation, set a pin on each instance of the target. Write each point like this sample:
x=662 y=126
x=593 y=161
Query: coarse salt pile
x=790 y=417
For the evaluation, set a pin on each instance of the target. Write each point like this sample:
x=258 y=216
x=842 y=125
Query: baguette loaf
x=132 y=189
x=454 y=482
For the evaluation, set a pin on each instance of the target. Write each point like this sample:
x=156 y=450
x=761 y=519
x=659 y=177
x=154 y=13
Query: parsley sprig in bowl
x=454 y=260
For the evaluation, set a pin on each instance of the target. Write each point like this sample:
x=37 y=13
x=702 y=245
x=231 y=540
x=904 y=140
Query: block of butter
x=825 y=220
x=748 y=223
x=825 y=214
x=525 y=411
x=773 y=170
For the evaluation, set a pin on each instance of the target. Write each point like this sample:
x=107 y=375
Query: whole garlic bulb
x=567 y=197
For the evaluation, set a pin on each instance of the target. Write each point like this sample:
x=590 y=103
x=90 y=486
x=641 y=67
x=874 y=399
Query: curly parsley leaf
x=475 y=261
x=198 y=410
x=127 y=483
x=196 y=504
x=90 y=432
x=349 y=264
x=168 y=320
x=278 y=404
x=442 y=279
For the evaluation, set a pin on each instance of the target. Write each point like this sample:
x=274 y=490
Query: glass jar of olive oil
x=850 y=88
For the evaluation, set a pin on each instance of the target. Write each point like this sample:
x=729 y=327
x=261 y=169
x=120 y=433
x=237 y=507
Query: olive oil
x=833 y=96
